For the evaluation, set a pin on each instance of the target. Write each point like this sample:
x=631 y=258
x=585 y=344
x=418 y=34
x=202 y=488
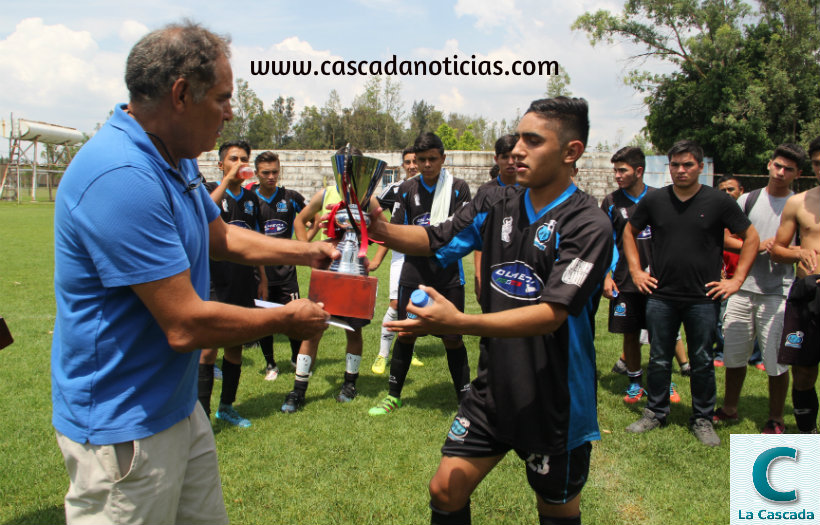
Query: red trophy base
x=344 y=294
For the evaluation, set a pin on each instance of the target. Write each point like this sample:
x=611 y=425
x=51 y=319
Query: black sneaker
x=347 y=393
x=293 y=402
x=620 y=367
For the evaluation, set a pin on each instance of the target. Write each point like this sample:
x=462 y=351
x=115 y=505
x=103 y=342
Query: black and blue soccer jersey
x=387 y=198
x=539 y=392
x=619 y=206
x=234 y=279
x=276 y=216
x=413 y=205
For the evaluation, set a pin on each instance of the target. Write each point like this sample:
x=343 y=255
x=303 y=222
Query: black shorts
x=283 y=293
x=453 y=294
x=556 y=478
x=800 y=342
x=627 y=313
x=238 y=287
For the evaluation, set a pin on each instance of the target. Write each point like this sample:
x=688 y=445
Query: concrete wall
x=304 y=170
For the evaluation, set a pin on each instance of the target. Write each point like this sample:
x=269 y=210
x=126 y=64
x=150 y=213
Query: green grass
x=333 y=463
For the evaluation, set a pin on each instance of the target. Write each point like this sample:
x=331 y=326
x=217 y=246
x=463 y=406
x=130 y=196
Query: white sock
x=352 y=363
x=302 y=367
x=387 y=336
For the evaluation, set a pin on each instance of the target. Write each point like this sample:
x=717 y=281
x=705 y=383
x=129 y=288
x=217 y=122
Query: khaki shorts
x=170 y=477
x=749 y=315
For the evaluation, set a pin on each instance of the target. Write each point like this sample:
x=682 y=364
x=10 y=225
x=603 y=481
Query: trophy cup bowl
x=345 y=288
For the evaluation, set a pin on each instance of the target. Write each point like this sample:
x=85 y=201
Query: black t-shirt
x=687 y=239
x=619 y=206
x=387 y=198
x=539 y=392
x=413 y=204
x=239 y=210
x=276 y=216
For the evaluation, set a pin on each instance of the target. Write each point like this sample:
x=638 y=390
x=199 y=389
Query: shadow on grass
x=55 y=514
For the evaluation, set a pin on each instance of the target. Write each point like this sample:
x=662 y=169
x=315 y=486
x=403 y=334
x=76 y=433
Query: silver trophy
x=356 y=179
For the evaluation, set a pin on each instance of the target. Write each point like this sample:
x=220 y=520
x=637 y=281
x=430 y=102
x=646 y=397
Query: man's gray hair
x=185 y=50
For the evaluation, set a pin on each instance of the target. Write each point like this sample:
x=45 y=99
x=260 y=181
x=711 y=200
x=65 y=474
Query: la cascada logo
x=773 y=479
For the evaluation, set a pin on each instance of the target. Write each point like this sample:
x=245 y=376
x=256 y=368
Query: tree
x=558 y=85
x=281 y=115
x=447 y=135
x=739 y=90
x=246 y=107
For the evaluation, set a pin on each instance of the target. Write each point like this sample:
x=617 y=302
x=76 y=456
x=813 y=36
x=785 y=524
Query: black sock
x=805 y=409
x=300 y=387
x=351 y=378
x=206 y=387
x=230 y=382
x=459 y=370
x=458 y=517
x=547 y=520
x=295 y=344
x=266 y=344
x=399 y=365
x=635 y=377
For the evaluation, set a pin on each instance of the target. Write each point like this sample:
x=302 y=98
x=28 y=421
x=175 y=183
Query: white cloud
x=131 y=31
x=53 y=70
x=488 y=13
x=451 y=102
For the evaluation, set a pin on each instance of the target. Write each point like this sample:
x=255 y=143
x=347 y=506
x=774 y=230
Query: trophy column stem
x=349 y=261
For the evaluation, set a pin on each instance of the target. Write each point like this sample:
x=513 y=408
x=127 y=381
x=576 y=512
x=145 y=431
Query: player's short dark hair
x=426 y=141
x=185 y=50
x=790 y=151
x=572 y=114
x=265 y=156
x=505 y=144
x=728 y=177
x=494 y=171
x=223 y=149
x=814 y=146
x=631 y=155
x=686 y=146
x=405 y=151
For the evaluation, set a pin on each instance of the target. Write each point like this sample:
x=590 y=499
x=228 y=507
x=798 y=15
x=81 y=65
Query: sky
x=63 y=62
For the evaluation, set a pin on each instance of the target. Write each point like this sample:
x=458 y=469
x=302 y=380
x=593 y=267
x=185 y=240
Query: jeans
x=663 y=320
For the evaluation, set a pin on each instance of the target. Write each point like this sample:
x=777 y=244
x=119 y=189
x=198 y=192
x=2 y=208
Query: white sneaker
x=271 y=373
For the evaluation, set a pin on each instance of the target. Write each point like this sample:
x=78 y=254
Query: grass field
x=333 y=464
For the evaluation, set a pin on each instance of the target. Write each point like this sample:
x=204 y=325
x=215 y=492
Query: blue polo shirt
x=123 y=216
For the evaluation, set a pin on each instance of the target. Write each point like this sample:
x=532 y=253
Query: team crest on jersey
x=282 y=206
x=422 y=220
x=225 y=205
x=646 y=233
x=624 y=213
x=459 y=428
x=620 y=310
x=275 y=227
x=506 y=229
x=516 y=280
x=795 y=340
x=248 y=207
x=543 y=234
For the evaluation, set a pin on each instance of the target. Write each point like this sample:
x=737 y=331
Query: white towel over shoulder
x=441 y=198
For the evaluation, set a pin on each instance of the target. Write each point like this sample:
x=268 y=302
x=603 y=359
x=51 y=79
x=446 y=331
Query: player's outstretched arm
x=442 y=317
x=404 y=238
x=308 y=215
x=190 y=323
x=253 y=248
